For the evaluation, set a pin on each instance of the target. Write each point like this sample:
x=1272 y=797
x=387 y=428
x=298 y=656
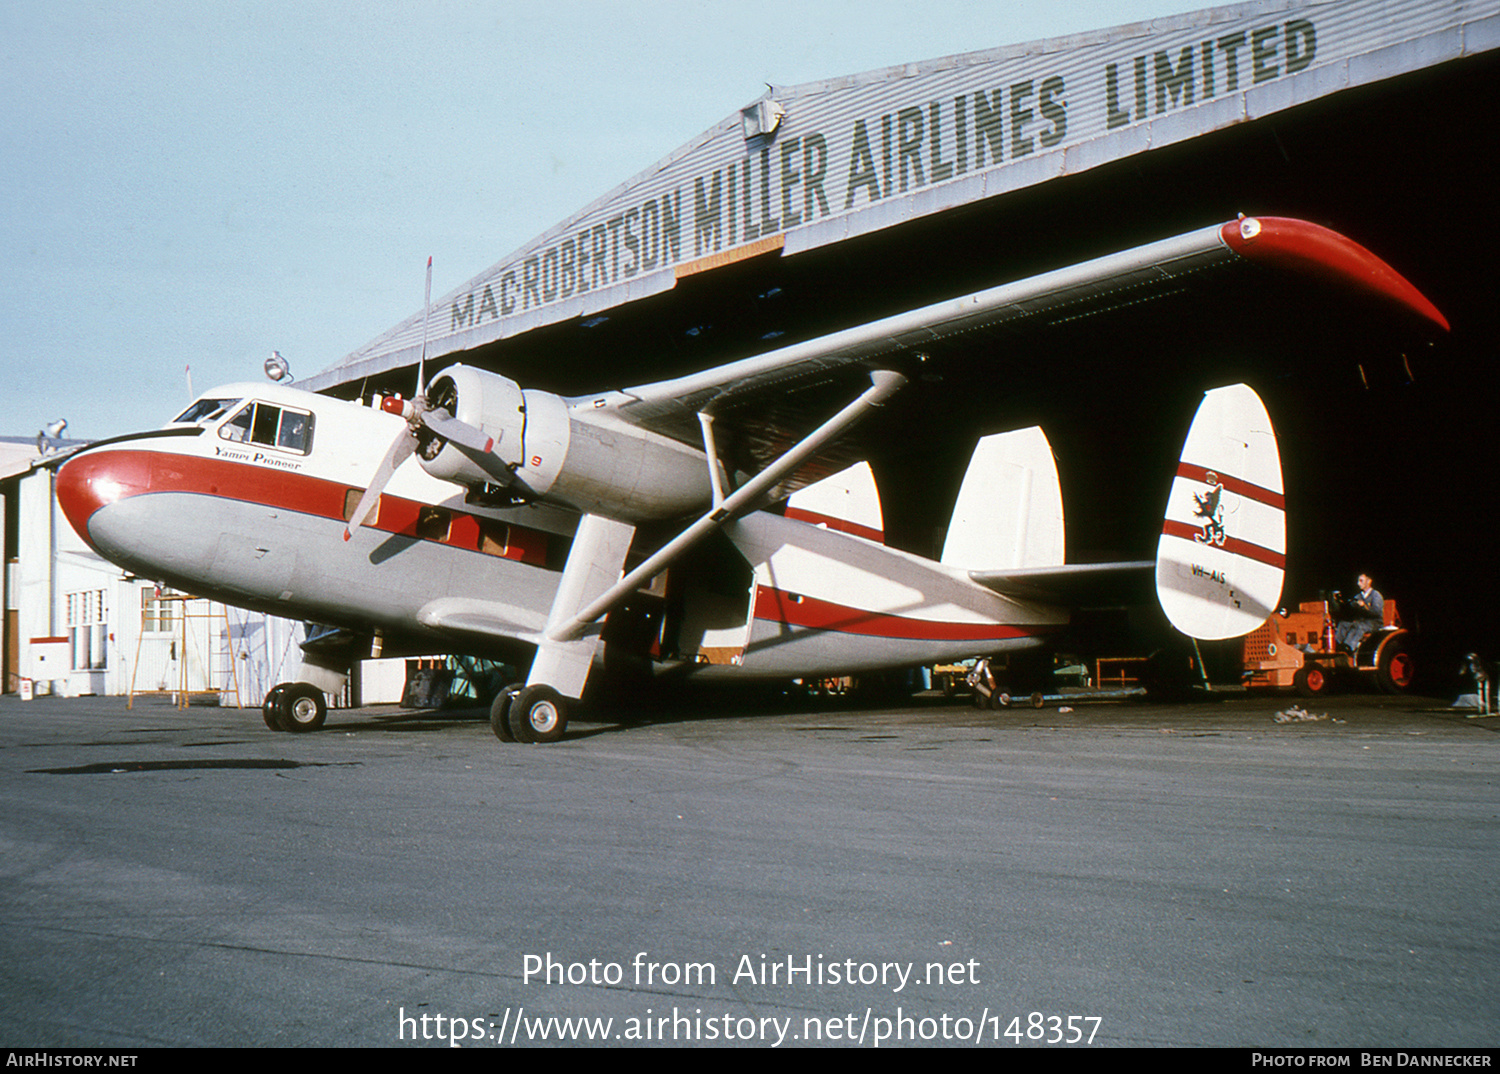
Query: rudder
x=1221 y=557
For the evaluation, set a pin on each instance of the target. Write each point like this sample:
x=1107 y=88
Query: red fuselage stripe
x=1232 y=545
x=779 y=606
x=93 y=480
x=842 y=525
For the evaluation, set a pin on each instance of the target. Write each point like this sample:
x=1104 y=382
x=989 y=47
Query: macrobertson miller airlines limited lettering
x=804 y=177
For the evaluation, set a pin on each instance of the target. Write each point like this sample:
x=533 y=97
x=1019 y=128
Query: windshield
x=204 y=410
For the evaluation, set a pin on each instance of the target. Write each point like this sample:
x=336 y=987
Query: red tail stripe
x=1238 y=486
x=1233 y=545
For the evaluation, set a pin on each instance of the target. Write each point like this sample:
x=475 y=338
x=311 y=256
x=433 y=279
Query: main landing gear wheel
x=270 y=709
x=500 y=711
x=1312 y=681
x=302 y=707
x=538 y=714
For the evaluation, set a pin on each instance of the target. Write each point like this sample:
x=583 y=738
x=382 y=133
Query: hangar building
x=825 y=205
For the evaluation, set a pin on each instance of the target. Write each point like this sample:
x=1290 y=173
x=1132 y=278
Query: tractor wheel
x=1312 y=680
x=1394 y=668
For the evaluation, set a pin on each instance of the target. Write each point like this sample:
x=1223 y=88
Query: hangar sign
x=792 y=179
x=818 y=163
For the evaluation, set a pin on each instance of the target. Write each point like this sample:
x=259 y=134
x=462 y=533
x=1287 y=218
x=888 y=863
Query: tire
x=303 y=708
x=500 y=711
x=1394 y=668
x=270 y=708
x=538 y=714
x=1312 y=680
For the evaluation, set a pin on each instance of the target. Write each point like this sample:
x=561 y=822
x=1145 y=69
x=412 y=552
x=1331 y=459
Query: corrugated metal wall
x=856 y=154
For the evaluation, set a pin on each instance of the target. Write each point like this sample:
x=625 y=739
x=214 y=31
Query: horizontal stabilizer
x=1009 y=512
x=1222 y=553
x=1076 y=585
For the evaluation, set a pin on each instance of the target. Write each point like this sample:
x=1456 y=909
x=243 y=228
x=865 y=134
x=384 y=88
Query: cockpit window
x=204 y=410
x=295 y=431
x=274 y=426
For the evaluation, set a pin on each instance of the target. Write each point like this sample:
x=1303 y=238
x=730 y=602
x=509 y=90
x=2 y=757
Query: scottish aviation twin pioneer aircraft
x=684 y=525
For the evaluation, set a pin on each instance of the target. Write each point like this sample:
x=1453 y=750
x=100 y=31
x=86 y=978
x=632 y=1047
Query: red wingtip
x=347 y=534
x=1326 y=254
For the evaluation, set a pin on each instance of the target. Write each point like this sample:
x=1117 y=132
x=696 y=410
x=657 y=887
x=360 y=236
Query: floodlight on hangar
x=278 y=368
x=761 y=119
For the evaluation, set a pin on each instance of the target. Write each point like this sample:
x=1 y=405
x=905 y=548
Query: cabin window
x=273 y=426
x=433 y=522
x=494 y=537
x=351 y=501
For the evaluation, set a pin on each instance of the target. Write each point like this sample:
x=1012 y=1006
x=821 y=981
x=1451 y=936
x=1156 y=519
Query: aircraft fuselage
x=245 y=497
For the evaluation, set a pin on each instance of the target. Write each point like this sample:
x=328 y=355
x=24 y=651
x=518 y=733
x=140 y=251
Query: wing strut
x=711 y=451
x=883 y=384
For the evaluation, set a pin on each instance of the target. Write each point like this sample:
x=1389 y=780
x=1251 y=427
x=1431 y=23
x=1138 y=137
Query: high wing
x=756 y=397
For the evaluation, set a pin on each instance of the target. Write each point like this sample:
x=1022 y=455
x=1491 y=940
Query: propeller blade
x=458 y=432
x=399 y=452
x=426 y=317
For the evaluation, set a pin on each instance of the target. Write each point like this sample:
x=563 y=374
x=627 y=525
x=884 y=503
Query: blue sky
x=201 y=183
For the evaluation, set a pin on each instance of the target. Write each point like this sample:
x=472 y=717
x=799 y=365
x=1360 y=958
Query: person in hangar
x=1359 y=614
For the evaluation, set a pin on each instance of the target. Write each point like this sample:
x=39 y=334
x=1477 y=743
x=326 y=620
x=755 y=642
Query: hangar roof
x=812 y=165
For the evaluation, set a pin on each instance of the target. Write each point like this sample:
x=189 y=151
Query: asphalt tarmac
x=1122 y=874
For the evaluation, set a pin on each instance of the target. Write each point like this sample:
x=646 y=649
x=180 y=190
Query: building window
x=88 y=629
x=157 y=615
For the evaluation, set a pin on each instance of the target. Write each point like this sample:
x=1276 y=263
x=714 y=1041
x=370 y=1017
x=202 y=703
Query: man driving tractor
x=1359 y=615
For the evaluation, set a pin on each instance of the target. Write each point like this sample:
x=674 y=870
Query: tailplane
x=1222 y=553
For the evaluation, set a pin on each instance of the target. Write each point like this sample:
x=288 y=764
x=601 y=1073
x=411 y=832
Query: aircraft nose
x=93 y=480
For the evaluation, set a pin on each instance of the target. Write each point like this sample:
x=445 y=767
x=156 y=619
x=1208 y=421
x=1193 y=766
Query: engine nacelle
x=584 y=460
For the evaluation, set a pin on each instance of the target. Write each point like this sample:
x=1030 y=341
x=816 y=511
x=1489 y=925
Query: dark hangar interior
x=1386 y=432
